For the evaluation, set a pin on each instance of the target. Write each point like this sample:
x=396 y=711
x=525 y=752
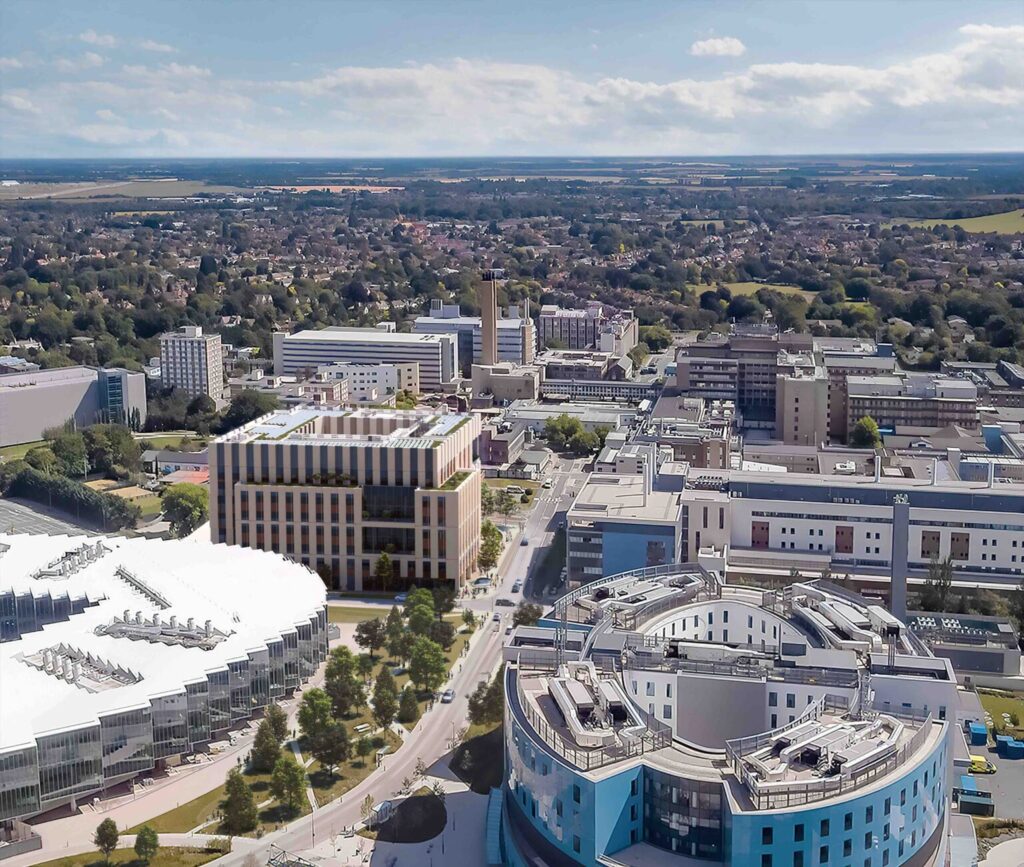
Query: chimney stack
x=489 y=319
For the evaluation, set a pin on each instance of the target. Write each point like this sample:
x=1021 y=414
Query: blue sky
x=301 y=78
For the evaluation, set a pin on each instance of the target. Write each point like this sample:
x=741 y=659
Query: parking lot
x=1006 y=786
x=17 y=516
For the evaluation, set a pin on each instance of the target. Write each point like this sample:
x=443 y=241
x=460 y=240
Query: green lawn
x=165 y=857
x=197 y=811
x=14 y=453
x=354 y=613
x=169 y=441
x=1007 y=223
x=751 y=288
x=328 y=787
x=150 y=506
x=998 y=702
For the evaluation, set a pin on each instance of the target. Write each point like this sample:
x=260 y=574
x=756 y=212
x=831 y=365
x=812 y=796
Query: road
x=18 y=517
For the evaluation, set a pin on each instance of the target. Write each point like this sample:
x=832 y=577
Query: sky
x=322 y=78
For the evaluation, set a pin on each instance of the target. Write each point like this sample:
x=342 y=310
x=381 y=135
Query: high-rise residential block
x=192 y=361
x=335 y=489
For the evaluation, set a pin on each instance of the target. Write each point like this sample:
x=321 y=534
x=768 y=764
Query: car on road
x=447 y=696
x=401 y=598
x=981 y=765
x=517 y=586
x=547 y=483
x=497 y=617
x=505 y=603
x=524 y=541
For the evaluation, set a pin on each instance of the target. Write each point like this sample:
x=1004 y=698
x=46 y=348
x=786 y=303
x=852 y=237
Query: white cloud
x=19 y=103
x=93 y=38
x=89 y=60
x=159 y=47
x=10 y=63
x=967 y=97
x=721 y=46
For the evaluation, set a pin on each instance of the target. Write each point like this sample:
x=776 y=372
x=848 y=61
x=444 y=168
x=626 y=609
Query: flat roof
x=372 y=335
x=248 y=596
x=623 y=498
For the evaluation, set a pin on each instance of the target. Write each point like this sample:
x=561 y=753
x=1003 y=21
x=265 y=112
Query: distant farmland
x=1008 y=223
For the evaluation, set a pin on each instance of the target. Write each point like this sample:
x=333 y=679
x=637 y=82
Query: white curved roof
x=251 y=596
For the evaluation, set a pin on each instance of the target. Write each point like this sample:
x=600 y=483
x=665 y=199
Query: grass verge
x=166 y=856
x=328 y=787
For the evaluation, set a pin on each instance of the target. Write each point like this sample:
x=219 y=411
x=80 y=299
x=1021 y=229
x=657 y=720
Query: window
x=823 y=855
x=885 y=832
x=888 y=806
x=903 y=797
x=798 y=833
x=766 y=861
x=790 y=699
x=667 y=711
x=847 y=821
x=575 y=843
x=576 y=796
x=824 y=828
x=773 y=699
x=868 y=837
x=885 y=858
x=798 y=859
x=869 y=815
x=847 y=848
x=650 y=687
x=633 y=787
x=632 y=812
x=766 y=835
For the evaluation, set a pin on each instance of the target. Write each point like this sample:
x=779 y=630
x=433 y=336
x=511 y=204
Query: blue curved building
x=660 y=717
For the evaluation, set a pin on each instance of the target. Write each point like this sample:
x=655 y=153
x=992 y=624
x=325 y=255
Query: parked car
x=497 y=617
x=400 y=598
x=505 y=603
x=547 y=483
x=447 y=696
x=524 y=541
x=517 y=586
x=981 y=765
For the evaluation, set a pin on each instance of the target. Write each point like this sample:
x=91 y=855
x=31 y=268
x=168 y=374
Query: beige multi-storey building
x=192 y=361
x=801 y=400
x=336 y=488
x=912 y=401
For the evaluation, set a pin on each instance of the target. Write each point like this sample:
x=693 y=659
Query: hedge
x=107 y=510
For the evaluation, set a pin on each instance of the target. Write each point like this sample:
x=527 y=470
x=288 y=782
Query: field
x=165 y=857
x=1008 y=223
x=126 y=189
x=354 y=613
x=750 y=288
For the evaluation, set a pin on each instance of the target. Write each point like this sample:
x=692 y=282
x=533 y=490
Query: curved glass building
x=662 y=717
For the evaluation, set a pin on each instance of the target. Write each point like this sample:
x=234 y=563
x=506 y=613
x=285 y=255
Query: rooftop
x=163 y=613
x=624 y=498
x=373 y=335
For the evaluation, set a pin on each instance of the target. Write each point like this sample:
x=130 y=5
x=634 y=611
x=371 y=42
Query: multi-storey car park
x=662 y=717
x=120 y=656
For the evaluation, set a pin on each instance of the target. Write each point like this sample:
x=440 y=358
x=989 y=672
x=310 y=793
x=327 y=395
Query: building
x=632 y=391
x=126 y=655
x=514 y=335
x=436 y=354
x=30 y=403
x=335 y=489
x=664 y=717
x=881 y=530
x=584 y=365
x=369 y=382
x=14 y=364
x=801 y=400
x=505 y=382
x=193 y=362
x=840 y=366
x=622 y=520
x=593 y=327
x=292 y=390
x=533 y=415
x=912 y=401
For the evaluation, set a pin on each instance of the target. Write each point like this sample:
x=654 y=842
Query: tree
x=865 y=435
x=419 y=596
x=43 y=459
x=420 y=618
x=278 y=720
x=526 y=614
x=315 y=713
x=185 y=506
x=468 y=619
x=366 y=809
x=427 y=665
x=69 y=449
x=487 y=702
x=364 y=746
x=1017 y=606
x=342 y=682
x=247 y=405
x=400 y=646
x=657 y=337
x=238 y=806
x=408 y=707
x=105 y=838
x=146 y=843
x=365 y=666
x=265 y=748
x=331 y=747
x=383 y=570
x=288 y=783
x=444 y=599
x=935 y=593
x=442 y=632
x=506 y=504
x=584 y=442
x=490 y=546
x=385 y=698
x=371 y=634
x=393 y=624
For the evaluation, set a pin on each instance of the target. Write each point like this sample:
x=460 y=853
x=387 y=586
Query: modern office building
x=335 y=489
x=436 y=354
x=912 y=401
x=121 y=656
x=623 y=519
x=30 y=403
x=664 y=717
x=876 y=529
x=193 y=362
x=514 y=335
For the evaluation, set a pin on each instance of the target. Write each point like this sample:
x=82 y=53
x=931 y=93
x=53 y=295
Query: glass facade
x=683 y=816
x=84 y=760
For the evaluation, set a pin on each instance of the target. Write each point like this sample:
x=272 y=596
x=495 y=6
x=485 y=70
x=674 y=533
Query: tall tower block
x=489 y=318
